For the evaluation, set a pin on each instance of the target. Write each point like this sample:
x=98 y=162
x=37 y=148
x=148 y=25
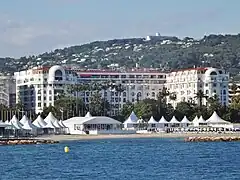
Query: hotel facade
x=188 y=82
x=39 y=87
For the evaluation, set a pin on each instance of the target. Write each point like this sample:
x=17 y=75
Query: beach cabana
x=64 y=128
x=174 y=122
x=215 y=120
x=131 y=122
x=58 y=126
x=49 y=118
x=39 y=122
x=24 y=119
x=29 y=127
x=185 y=122
x=152 y=124
x=200 y=122
x=49 y=128
x=16 y=126
x=163 y=122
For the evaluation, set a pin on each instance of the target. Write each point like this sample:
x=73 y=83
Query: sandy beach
x=156 y=135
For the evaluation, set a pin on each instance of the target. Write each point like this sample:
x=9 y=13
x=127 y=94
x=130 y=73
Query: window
x=124 y=94
x=224 y=91
x=39 y=105
x=206 y=92
x=153 y=94
x=50 y=92
x=39 y=98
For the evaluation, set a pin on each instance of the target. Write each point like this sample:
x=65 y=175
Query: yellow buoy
x=66 y=149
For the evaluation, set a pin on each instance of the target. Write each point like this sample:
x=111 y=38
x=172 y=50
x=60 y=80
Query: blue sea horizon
x=123 y=159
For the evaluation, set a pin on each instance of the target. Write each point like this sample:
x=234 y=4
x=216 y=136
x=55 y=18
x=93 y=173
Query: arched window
x=58 y=75
x=213 y=73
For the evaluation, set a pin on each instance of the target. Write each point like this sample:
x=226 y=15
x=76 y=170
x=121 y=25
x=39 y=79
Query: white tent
x=201 y=120
x=57 y=124
x=131 y=121
x=185 y=120
x=88 y=114
x=215 y=119
x=50 y=125
x=49 y=118
x=62 y=124
x=39 y=122
x=195 y=119
x=152 y=121
x=15 y=123
x=174 y=120
x=29 y=126
x=24 y=119
x=163 y=121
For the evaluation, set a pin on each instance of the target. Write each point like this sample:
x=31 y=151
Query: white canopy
x=57 y=124
x=62 y=124
x=132 y=119
x=195 y=119
x=50 y=125
x=39 y=122
x=88 y=114
x=174 y=120
x=152 y=121
x=140 y=121
x=163 y=120
x=201 y=120
x=185 y=120
x=28 y=125
x=215 y=119
x=15 y=123
x=49 y=118
x=24 y=119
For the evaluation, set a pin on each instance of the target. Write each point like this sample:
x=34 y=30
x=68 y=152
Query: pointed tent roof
x=39 y=122
x=140 y=120
x=28 y=125
x=50 y=125
x=215 y=119
x=131 y=119
x=24 y=119
x=174 y=120
x=201 y=120
x=15 y=123
x=88 y=114
x=152 y=121
x=185 y=120
x=57 y=124
x=195 y=119
x=163 y=120
x=62 y=124
x=49 y=118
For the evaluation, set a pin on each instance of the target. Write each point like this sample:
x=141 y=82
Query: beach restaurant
x=93 y=125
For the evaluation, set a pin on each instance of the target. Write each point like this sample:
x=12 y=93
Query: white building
x=186 y=83
x=7 y=91
x=39 y=87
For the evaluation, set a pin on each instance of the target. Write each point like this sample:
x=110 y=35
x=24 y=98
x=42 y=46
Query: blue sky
x=31 y=27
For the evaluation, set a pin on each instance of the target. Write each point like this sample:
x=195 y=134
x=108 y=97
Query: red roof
x=189 y=69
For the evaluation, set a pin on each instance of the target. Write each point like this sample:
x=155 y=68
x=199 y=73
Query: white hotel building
x=186 y=83
x=38 y=87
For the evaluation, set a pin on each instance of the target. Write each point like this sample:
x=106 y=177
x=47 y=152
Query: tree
x=97 y=105
x=200 y=96
x=184 y=109
x=143 y=110
x=126 y=110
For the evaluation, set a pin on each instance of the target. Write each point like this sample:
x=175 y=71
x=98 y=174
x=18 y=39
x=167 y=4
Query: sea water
x=122 y=159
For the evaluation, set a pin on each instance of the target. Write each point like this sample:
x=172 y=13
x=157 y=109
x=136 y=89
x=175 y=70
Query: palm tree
x=200 y=96
x=119 y=89
x=234 y=88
